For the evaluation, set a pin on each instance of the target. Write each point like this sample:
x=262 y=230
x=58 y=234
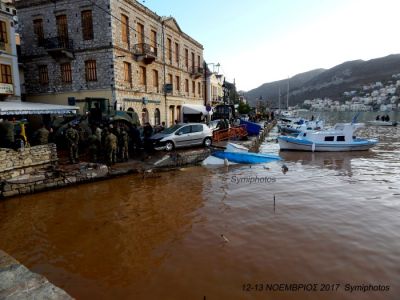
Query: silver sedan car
x=183 y=135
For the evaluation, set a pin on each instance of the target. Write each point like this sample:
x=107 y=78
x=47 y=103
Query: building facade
x=215 y=91
x=108 y=49
x=9 y=74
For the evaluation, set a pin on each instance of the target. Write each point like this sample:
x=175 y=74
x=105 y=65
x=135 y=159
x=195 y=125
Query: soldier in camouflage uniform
x=7 y=138
x=94 y=144
x=42 y=136
x=72 y=137
x=123 y=144
x=110 y=147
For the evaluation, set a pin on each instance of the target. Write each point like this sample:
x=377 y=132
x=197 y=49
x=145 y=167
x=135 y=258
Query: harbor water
x=217 y=233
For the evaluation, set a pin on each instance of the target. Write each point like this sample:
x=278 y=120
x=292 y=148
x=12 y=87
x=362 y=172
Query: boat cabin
x=341 y=133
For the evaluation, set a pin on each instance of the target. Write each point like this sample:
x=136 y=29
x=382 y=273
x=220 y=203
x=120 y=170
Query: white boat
x=300 y=125
x=382 y=123
x=339 y=138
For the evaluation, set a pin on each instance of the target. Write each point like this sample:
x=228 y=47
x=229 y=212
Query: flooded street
x=336 y=221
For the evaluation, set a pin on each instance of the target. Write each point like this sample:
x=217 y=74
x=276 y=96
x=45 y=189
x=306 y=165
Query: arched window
x=145 y=116
x=157 y=117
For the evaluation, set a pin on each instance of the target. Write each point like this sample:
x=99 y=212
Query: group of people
x=385 y=118
x=105 y=143
x=110 y=143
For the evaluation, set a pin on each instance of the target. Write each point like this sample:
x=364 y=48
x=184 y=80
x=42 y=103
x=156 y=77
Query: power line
x=145 y=37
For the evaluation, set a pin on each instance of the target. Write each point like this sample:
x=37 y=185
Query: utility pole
x=165 y=75
x=205 y=83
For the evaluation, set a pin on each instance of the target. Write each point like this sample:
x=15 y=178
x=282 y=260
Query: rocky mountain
x=332 y=83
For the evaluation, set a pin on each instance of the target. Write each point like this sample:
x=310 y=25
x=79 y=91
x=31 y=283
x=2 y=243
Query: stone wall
x=27 y=161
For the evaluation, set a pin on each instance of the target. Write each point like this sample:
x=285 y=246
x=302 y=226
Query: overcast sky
x=258 y=41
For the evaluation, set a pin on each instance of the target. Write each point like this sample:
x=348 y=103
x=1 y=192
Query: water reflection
x=337 y=161
x=120 y=231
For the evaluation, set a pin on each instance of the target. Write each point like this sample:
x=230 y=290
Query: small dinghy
x=246 y=157
x=239 y=154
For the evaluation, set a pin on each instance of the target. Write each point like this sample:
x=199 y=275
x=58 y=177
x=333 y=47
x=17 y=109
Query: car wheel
x=169 y=146
x=207 y=142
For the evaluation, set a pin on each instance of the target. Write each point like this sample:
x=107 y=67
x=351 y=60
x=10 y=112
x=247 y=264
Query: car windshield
x=171 y=129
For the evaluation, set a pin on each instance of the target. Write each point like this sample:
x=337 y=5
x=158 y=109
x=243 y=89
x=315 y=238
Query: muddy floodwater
x=201 y=233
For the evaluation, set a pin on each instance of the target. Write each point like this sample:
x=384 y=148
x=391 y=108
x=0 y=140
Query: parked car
x=182 y=135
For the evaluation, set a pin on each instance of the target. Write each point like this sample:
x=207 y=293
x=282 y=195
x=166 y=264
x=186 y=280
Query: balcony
x=145 y=53
x=59 y=47
x=196 y=72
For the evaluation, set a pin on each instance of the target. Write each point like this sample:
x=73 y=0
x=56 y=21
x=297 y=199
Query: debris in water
x=285 y=169
x=224 y=238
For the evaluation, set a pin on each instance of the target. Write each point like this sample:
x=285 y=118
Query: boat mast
x=287 y=96
x=279 y=103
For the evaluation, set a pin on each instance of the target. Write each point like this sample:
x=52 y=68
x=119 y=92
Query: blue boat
x=246 y=157
x=252 y=128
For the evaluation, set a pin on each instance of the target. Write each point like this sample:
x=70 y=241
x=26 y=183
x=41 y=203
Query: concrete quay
x=18 y=283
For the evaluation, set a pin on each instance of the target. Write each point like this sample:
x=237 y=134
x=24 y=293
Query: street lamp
x=214 y=66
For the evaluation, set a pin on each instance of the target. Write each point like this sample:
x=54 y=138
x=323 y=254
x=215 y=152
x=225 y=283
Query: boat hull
x=382 y=123
x=252 y=128
x=294 y=144
x=246 y=158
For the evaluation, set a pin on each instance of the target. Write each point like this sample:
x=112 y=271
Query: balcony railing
x=145 y=52
x=196 y=72
x=58 y=43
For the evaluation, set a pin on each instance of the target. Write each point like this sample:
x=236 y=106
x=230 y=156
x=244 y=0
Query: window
x=184 y=130
x=140 y=33
x=197 y=128
x=91 y=70
x=66 y=73
x=193 y=87
x=128 y=73
x=187 y=85
x=3 y=32
x=62 y=27
x=142 y=77
x=154 y=39
x=38 y=30
x=178 y=83
x=6 y=76
x=329 y=138
x=192 y=61
x=199 y=88
x=340 y=138
x=198 y=61
x=177 y=53
x=170 y=78
x=187 y=58
x=155 y=80
x=125 y=28
x=169 y=49
x=157 y=118
x=87 y=25
x=43 y=75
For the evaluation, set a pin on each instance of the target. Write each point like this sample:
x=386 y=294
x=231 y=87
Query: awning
x=30 y=108
x=193 y=109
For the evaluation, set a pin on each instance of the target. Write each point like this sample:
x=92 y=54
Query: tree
x=244 y=108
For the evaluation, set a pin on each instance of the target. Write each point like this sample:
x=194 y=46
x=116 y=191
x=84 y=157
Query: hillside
x=330 y=83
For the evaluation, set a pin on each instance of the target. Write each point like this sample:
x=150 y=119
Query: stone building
x=215 y=91
x=116 y=52
x=9 y=73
